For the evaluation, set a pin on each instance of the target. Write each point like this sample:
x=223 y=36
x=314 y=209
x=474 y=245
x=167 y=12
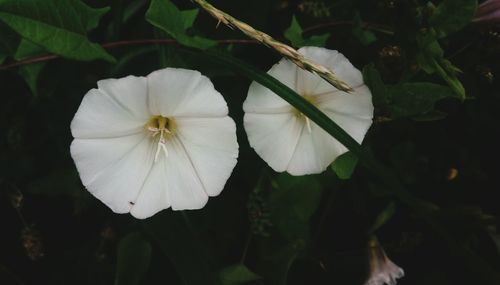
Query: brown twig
x=117 y=44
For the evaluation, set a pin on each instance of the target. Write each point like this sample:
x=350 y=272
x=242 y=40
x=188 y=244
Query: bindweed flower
x=382 y=269
x=488 y=12
x=285 y=138
x=143 y=144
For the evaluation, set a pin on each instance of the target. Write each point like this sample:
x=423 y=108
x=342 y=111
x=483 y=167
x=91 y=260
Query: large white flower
x=284 y=137
x=143 y=144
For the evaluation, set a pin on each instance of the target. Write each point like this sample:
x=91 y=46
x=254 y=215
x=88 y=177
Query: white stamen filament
x=161 y=145
x=308 y=124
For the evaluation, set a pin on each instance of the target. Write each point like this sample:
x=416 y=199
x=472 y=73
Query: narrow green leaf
x=383 y=218
x=134 y=256
x=164 y=15
x=452 y=15
x=237 y=274
x=344 y=165
x=59 y=26
x=294 y=35
x=291 y=97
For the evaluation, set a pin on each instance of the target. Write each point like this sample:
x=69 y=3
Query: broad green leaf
x=294 y=35
x=237 y=274
x=344 y=165
x=292 y=203
x=364 y=36
x=412 y=99
x=382 y=218
x=29 y=72
x=431 y=59
x=181 y=245
x=9 y=41
x=452 y=15
x=373 y=80
x=134 y=256
x=164 y=15
x=59 y=26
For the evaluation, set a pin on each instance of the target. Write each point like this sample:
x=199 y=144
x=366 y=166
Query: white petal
x=185 y=190
x=131 y=92
x=274 y=137
x=175 y=92
x=314 y=152
x=262 y=100
x=212 y=148
x=153 y=197
x=118 y=185
x=100 y=116
x=356 y=104
x=92 y=156
x=312 y=84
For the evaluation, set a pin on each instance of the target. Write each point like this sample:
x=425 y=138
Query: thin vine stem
x=117 y=44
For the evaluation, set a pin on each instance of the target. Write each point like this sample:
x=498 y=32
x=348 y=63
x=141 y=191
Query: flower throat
x=164 y=128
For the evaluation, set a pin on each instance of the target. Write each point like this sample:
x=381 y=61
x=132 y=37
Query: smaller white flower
x=382 y=269
x=285 y=138
x=144 y=144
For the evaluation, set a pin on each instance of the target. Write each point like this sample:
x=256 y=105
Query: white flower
x=143 y=144
x=382 y=269
x=284 y=137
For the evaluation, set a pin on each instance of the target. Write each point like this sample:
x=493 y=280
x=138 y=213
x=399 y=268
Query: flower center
x=299 y=114
x=162 y=128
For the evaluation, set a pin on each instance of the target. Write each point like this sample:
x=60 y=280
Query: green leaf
x=412 y=99
x=373 y=80
x=292 y=203
x=383 y=218
x=431 y=59
x=294 y=35
x=237 y=274
x=29 y=72
x=134 y=256
x=9 y=41
x=178 y=241
x=364 y=36
x=59 y=26
x=344 y=165
x=452 y=15
x=164 y=15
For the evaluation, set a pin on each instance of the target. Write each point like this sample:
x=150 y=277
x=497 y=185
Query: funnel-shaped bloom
x=382 y=269
x=143 y=144
x=488 y=12
x=284 y=137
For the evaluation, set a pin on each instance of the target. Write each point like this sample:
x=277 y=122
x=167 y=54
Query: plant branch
x=280 y=47
x=117 y=44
